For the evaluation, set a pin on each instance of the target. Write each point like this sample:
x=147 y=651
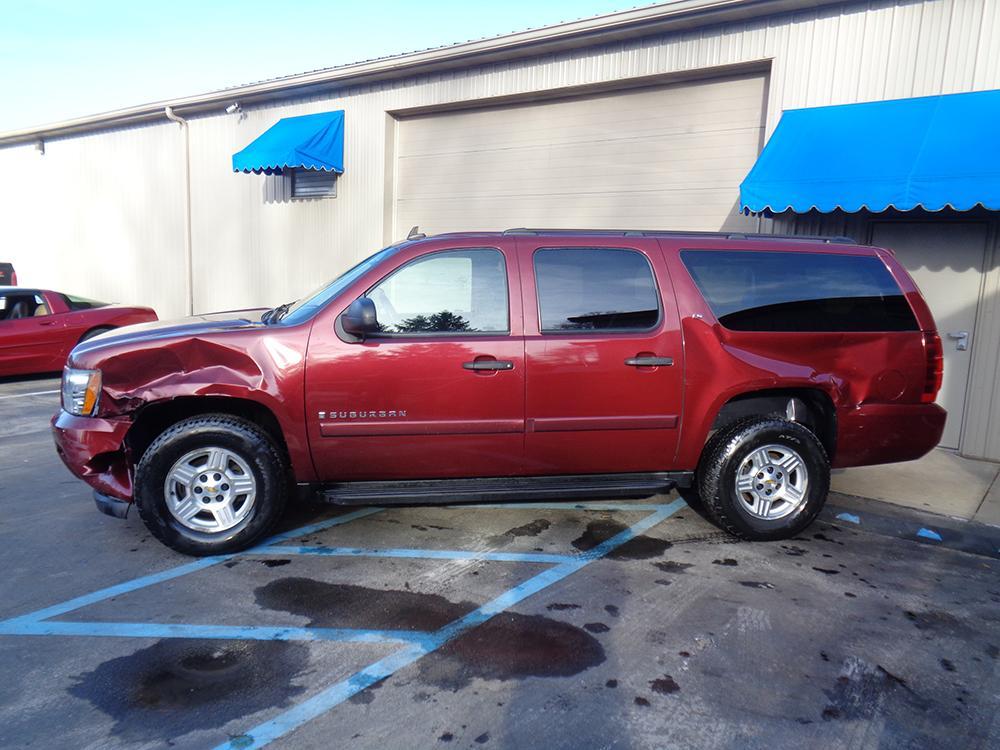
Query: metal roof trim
x=638 y=21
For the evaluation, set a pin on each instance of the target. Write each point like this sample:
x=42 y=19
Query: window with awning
x=930 y=152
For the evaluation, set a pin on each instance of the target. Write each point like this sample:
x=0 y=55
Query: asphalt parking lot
x=603 y=625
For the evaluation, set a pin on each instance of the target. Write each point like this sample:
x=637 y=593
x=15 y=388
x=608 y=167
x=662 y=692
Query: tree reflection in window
x=444 y=321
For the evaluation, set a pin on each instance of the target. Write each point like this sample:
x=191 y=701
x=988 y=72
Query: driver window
x=18 y=306
x=456 y=291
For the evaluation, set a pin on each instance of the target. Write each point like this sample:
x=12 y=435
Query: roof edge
x=649 y=19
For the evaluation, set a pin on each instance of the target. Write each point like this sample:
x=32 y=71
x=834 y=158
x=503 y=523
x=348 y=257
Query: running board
x=505 y=489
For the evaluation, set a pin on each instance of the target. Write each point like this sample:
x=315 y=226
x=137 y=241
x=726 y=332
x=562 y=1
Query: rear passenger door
x=602 y=357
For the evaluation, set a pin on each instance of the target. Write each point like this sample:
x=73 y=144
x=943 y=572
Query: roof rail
x=679 y=233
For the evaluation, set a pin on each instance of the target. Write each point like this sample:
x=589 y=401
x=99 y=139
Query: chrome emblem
x=367 y=414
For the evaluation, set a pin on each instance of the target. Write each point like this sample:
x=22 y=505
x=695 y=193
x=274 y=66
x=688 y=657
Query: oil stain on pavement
x=178 y=686
x=638 y=548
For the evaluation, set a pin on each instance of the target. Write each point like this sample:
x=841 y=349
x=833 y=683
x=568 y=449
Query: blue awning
x=306 y=142
x=929 y=152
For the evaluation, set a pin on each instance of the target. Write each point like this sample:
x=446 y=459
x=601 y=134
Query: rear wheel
x=94 y=332
x=764 y=478
x=210 y=485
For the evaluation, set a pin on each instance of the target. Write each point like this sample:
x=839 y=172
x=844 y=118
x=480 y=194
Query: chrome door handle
x=489 y=364
x=649 y=361
x=961 y=339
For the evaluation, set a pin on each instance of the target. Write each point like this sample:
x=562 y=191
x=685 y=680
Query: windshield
x=303 y=309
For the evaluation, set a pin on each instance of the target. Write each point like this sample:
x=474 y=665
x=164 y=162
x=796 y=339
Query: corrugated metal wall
x=100 y=215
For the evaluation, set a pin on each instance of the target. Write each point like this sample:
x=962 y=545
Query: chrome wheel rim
x=210 y=490
x=772 y=482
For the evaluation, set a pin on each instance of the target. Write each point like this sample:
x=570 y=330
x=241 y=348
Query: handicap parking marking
x=415 y=644
x=331 y=697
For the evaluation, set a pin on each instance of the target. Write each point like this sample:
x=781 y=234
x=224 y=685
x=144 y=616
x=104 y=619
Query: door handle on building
x=961 y=339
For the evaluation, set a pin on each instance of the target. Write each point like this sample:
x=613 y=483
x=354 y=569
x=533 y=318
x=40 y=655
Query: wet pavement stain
x=533 y=528
x=596 y=627
x=512 y=646
x=947 y=665
x=638 y=548
x=640 y=701
x=611 y=684
x=863 y=691
x=664 y=685
x=340 y=605
x=827 y=571
x=274 y=563
x=557 y=606
x=611 y=609
x=727 y=561
x=482 y=739
x=177 y=686
x=793 y=551
x=446 y=737
x=367 y=695
x=670 y=566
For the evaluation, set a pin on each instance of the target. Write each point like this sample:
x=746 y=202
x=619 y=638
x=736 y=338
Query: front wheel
x=211 y=485
x=764 y=478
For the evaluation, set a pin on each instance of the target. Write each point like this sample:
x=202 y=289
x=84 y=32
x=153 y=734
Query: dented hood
x=196 y=325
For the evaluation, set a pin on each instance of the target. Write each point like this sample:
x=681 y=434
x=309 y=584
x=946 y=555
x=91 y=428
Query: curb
x=913 y=525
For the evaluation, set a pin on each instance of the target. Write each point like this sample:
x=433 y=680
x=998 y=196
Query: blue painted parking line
x=181 y=570
x=415 y=644
x=222 y=632
x=423 y=554
x=331 y=697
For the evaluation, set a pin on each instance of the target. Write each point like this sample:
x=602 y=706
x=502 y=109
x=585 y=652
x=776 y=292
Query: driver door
x=439 y=391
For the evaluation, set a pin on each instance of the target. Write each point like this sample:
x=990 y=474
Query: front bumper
x=94 y=450
x=887 y=433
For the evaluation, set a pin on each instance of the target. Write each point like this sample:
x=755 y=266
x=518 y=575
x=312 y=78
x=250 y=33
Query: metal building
x=645 y=118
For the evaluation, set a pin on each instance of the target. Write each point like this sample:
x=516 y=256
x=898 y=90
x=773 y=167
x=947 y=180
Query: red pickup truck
x=524 y=364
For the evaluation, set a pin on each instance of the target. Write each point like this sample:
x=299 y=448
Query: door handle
x=650 y=361
x=46 y=322
x=489 y=364
x=961 y=339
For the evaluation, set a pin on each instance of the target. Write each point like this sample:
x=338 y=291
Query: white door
x=946 y=260
x=669 y=157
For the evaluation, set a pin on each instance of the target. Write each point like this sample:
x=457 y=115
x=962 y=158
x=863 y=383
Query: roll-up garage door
x=668 y=157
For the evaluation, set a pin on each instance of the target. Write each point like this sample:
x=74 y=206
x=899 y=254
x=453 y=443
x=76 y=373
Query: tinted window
x=81 y=303
x=775 y=291
x=457 y=291
x=595 y=289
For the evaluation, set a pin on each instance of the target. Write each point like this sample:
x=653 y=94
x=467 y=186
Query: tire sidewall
x=720 y=483
x=190 y=435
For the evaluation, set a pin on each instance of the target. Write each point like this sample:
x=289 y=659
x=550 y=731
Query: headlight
x=81 y=390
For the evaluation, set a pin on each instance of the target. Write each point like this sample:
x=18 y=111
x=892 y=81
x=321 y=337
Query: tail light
x=935 y=366
x=13 y=278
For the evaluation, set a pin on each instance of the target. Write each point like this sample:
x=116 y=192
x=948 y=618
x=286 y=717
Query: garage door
x=669 y=157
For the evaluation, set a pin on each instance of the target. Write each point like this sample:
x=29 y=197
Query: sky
x=61 y=59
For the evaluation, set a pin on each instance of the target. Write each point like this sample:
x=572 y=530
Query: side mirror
x=360 y=319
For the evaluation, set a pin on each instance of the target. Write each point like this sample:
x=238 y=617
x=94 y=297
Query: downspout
x=188 y=255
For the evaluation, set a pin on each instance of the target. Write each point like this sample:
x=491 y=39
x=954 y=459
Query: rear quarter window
x=785 y=291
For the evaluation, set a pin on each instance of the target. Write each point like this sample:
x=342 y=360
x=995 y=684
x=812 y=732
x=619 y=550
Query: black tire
x=94 y=332
x=723 y=456
x=254 y=446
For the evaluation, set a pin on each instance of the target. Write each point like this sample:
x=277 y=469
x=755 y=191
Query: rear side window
x=782 y=291
x=587 y=289
x=81 y=303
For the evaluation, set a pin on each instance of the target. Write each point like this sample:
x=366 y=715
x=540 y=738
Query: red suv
x=523 y=364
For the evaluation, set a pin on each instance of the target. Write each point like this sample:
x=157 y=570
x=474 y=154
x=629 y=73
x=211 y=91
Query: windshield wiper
x=275 y=314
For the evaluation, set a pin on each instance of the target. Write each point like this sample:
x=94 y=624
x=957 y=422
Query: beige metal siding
x=100 y=216
x=661 y=157
x=981 y=434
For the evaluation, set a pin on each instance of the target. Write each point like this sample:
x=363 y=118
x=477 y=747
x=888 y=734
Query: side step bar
x=505 y=489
